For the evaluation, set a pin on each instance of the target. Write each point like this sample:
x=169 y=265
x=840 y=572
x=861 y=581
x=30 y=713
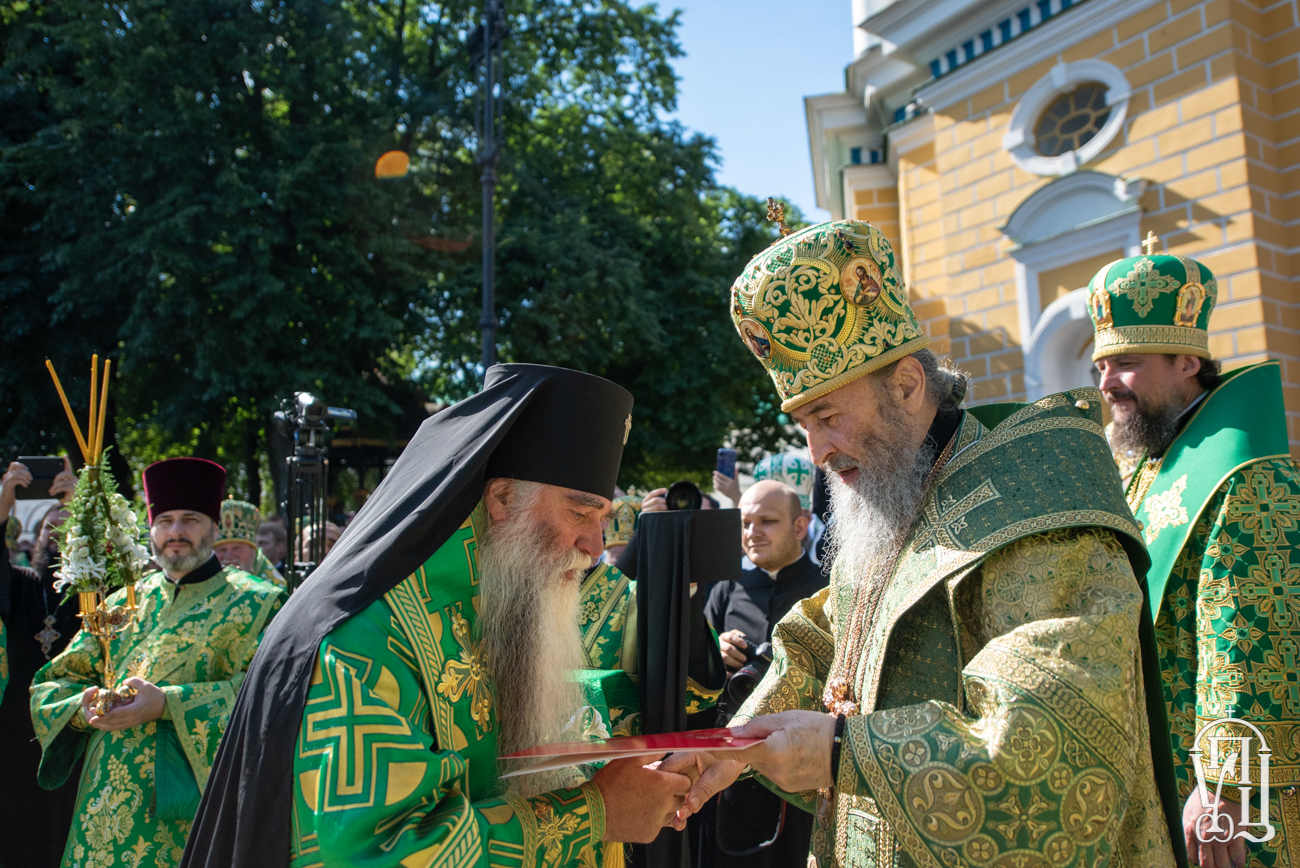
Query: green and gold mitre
x=824 y=306
x=1152 y=304
x=622 y=521
x=239 y=522
x=793 y=470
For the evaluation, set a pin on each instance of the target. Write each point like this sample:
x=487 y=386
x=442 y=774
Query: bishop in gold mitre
x=977 y=685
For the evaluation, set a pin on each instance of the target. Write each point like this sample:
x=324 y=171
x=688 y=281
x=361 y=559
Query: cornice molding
x=1041 y=43
x=816 y=109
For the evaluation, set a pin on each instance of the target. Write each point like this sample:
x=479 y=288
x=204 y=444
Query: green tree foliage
x=187 y=185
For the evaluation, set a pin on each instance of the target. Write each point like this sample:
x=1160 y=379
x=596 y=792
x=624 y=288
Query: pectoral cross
x=48 y=636
x=1150 y=243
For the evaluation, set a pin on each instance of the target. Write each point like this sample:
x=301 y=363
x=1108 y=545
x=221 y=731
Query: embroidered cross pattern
x=465 y=674
x=349 y=726
x=943 y=521
x=798 y=471
x=1166 y=509
x=1282 y=678
x=1274 y=588
x=1143 y=286
x=1265 y=509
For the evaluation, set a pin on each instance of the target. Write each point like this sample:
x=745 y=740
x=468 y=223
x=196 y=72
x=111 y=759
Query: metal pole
x=488 y=321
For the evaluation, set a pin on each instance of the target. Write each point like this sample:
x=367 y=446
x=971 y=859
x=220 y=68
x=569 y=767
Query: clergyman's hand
x=1212 y=854
x=796 y=751
x=711 y=774
x=147 y=704
x=639 y=801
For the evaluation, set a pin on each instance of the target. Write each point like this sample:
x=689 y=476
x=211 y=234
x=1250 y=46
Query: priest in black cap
x=441 y=634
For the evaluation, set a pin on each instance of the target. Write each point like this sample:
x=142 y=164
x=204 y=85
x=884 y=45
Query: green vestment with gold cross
x=1220 y=511
x=396 y=759
x=1221 y=517
x=1001 y=688
x=140 y=786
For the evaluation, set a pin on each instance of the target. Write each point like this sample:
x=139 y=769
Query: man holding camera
x=979 y=681
x=754 y=827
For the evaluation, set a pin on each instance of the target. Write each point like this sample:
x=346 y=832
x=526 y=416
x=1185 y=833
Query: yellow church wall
x=1213 y=126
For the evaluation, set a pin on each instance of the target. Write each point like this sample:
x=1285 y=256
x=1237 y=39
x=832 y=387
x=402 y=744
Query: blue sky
x=747 y=68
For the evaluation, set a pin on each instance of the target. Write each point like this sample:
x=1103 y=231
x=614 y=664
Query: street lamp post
x=489 y=36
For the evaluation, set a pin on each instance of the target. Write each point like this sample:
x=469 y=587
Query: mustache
x=840 y=463
x=1121 y=394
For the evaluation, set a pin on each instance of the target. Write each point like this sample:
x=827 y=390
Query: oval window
x=1071 y=121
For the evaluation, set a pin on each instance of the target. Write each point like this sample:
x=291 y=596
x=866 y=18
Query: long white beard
x=873 y=514
x=530 y=635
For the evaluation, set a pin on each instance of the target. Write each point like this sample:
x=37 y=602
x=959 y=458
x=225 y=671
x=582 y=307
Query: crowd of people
x=961 y=634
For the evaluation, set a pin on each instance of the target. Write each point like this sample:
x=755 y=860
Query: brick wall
x=1213 y=125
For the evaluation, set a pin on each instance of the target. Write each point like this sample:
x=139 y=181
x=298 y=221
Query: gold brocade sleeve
x=1052 y=759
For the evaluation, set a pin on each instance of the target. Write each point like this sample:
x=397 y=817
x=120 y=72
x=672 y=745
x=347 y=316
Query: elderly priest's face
x=870 y=437
x=541 y=539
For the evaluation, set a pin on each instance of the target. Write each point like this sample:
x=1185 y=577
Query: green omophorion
x=1221 y=518
x=1003 y=715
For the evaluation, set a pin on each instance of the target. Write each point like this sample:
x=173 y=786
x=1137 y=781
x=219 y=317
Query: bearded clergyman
x=1213 y=482
x=976 y=686
x=442 y=633
x=198 y=624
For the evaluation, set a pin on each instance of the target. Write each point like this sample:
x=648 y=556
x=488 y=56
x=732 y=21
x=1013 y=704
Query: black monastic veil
x=532 y=422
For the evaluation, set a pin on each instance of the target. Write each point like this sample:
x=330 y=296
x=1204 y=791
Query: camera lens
x=684 y=495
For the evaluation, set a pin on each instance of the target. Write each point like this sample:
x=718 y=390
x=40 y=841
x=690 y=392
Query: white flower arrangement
x=101 y=550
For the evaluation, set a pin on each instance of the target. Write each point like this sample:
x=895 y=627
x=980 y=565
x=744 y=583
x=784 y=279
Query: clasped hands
x=147 y=704
x=641 y=800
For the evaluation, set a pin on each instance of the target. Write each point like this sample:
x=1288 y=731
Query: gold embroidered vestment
x=1005 y=722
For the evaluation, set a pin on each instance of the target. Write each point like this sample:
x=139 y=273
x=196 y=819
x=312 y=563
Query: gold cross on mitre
x=776 y=214
x=1150 y=243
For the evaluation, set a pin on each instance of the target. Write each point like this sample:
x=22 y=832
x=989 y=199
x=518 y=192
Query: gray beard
x=530 y=636
x=179 y=565
x=872 y=515
x=1150 y=428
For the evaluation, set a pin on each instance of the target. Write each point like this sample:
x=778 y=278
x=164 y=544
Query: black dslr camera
x=743 y=681
x=684 y=495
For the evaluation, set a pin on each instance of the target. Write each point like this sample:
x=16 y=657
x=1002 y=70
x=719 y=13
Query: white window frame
x=1063 y=78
